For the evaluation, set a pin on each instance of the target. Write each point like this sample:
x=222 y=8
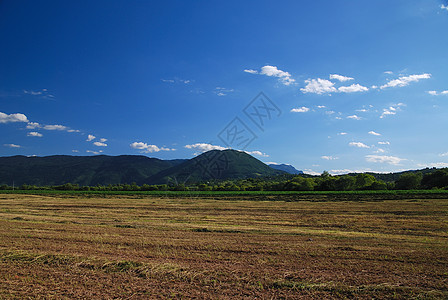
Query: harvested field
x=137 y=247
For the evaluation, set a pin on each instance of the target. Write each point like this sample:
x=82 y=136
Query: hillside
x=286 y=168
x=215 y=164
x=82 y=170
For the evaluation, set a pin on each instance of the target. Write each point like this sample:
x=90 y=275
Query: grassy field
x=147 y=246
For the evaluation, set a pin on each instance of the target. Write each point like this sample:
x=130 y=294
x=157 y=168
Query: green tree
x=409 y=181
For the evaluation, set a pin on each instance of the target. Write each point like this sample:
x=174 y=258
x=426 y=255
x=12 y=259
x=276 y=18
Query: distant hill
x=286 y=168
x=82 y=170
x=104 y=170
x=215 y=164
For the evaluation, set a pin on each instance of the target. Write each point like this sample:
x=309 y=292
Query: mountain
x=82 y=170
x=215 y=164
x=104 y=170
x=286 y=168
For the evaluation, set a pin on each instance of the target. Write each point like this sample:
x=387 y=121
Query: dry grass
x=145 y=247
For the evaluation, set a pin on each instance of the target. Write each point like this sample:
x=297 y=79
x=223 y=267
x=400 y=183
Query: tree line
x=438 y=179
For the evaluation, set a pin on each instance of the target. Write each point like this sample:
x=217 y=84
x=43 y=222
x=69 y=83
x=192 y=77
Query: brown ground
x=141 y=247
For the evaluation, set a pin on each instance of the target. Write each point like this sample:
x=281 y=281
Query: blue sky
x=347 y=85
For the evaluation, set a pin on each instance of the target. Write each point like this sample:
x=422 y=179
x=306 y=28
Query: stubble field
x=139 y=247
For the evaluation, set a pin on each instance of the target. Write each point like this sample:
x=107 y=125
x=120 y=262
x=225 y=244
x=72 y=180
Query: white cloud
x=300 y=110
x=374 y=133
x=12 y=145
x=392 y=160
x=330 y=112
x=326 y=157
x=102 y=140
x=347 y=171
x=445 y=7
x=73 y=130
x=90 y=137
x=75 y=151
x=434 y=165
x=318 y=86
x=380 y=150
x=340 y=77
x=384 y=143
x=32 y=125
x=94 y=152
x=405 y=80
x=251 y=71
x=358 y=144
x=55 y=127
x=362 y=110
x=354 y=117
x=99 y=144
x=283 y=76
x=36 y=134
x=392 y=110
x=203 y=147
x=148 y=148
x=272 y=71
x=435 y=93
x=342 y=133
x=352 y=88
x=220 y=91
x=388 y=72
x=12 y=118
x=258 y=153
x=321 y=106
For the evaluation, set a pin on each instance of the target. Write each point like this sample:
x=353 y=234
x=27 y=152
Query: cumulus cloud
x=145 y=148
x=273 y=71
x=391 y=110
x=341 y=78
x=102 y=140
x=405 y=80
x=203 y=147
x=12 y=145
x=36 y=134
x=94 y=152
x=374 y=133
x=392 y=160
x=90 y=137
x=321 y=106
x=358 y=144
x=300 y=110
x=318 y=86
x=354 y=117
x=99 y=144
x=384 y=143
x=32 y=125
x=12 y=118
x=352 y=88
x=445 y=7
x=327 y=157
x=258 y=153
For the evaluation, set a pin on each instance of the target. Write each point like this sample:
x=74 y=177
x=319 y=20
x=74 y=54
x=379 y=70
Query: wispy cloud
x=99 y=144
x=146 y=148
x=328 y=157
x=434 y=165
x=220 y=91
x=341 y=78
x=300 y=110
x=257 y=153
x=358 y=144
x=12 y=118
x=273 y=71
x=374 y=133
x=444 y=7
x=435 y=93
x=384 y=143
x=392 y=160
x=35 y=134
x=12 y=145
x=204 y=147
x=405 y=80
x=94 y=152
x=342 y=133
x=177 y=80
x=43 y=93
x=55 y=127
